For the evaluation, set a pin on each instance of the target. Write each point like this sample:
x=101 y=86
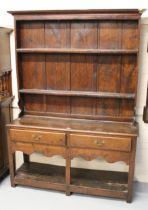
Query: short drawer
x=51 y=138
x=100 y=142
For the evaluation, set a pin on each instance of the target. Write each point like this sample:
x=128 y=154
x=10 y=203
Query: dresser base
x=71 y=138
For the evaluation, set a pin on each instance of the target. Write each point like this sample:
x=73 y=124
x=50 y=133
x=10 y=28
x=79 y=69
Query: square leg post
x=131 y=171
x=68 y=165
x=12 y=160
x=68 y=173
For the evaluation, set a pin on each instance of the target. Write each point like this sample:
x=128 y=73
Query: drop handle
x=36 y=137
x=99 y=142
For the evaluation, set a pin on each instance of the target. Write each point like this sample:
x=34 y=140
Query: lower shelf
x=109 y=180
x=41 y=176
x=105 y=183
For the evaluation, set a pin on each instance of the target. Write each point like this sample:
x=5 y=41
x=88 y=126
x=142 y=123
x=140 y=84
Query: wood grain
x=92 y=94
x=34 y=103
x=31 y=34
x=108 y=72
x=77 y=80
x=33 y=71
x=84 y=35
x=83 y=73
x=57 y=34
x=58 y=72
x=107 y=107
x=76 y=125
x=76 y=51
x=91 y=154
x=30 y=148
x=38 y=137
x=110 y=34
x=130 y=35
x=129 y=74
x=39 y=174
x=83 y=106
x=57 y=104
x=100 y=142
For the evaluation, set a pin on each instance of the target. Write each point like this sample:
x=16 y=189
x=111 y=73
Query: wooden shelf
x=78 y=93
x=41 y=175
x=107 y=180
x=50 y=176
x=74 y=50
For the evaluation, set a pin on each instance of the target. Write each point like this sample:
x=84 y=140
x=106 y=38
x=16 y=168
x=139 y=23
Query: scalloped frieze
x=109 y=156
x=38 y=148
x=87 y=154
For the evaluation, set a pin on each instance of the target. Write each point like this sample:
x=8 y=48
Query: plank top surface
x=76 y=125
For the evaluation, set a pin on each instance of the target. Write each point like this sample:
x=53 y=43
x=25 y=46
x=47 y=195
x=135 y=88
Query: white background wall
x=6 y=20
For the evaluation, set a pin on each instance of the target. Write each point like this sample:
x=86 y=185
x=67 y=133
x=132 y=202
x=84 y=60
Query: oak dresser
x=77 y=80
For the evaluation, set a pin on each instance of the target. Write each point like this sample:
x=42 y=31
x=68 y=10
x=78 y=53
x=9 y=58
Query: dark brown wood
x=65 y=12
x=41 y=175
x=145 y=110
x=76 y=51
x=131 y=171
x=120 y=14
x=12 y=161
x=67 y=168
x=74 y=125
x=77 y=80
x=78 y=116
x=5 y=97
x=112 y=184
x=73 y=68
x=78 y=93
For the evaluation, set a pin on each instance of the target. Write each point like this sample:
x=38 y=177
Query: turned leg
x=131 y=172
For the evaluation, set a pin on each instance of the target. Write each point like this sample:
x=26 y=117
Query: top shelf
x=75 y=50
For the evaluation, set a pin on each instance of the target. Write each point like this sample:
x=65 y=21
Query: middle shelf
x=79 y=93
x=77 y=50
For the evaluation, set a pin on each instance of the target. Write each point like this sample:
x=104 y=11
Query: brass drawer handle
x=36 y=137
x=99 y=143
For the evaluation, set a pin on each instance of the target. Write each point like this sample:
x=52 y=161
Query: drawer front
x=100 y=142
x=51 y=138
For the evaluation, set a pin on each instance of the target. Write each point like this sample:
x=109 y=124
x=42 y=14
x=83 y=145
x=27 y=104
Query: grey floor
x=25 y=198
